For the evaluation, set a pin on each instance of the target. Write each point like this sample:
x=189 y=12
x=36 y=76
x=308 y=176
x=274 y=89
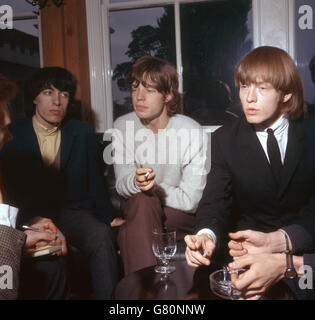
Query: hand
x=117 y=222
x=264 y=270
x=142 y=182
x=47 y=224
x=197 y=246
x=249 y=242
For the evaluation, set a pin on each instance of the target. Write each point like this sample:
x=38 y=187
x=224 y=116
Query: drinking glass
x=164 y=248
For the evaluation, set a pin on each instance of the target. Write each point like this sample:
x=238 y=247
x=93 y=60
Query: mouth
x=140 y=107
x=55 y=112
x=251 y=111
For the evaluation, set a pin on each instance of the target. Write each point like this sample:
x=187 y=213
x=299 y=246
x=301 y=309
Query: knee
x=141 y=203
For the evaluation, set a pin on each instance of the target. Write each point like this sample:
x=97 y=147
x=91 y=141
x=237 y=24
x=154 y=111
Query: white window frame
x=97 y=12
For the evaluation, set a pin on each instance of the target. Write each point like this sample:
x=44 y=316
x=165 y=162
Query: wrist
x=276 y=241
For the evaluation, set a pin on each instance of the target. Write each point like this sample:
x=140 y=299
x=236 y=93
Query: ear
x=286 y=97
x=168 y=97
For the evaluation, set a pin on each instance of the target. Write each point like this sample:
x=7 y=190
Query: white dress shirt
x=281 y=129
x=8 y=215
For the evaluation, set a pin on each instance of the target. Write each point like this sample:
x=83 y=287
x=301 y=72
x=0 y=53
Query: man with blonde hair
x=262 y=168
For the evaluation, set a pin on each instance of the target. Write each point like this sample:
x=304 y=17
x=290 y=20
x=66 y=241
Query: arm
x=215 y=206
x=11 y=248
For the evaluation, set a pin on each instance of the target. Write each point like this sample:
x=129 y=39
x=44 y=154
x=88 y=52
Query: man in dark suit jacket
x=262 y=168
x=52 y=170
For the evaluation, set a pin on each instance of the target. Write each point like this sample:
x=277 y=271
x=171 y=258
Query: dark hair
x=312 y=68
x=275 y=66
x=45 y=78
x=163 y=76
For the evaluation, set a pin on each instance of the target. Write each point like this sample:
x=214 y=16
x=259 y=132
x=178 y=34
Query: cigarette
x=146 y=175
x=206 y=253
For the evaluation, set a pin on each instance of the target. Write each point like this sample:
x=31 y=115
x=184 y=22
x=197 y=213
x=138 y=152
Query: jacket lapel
x=253 y=152
x=293 y=152
x=68 y=137
x=31 y=143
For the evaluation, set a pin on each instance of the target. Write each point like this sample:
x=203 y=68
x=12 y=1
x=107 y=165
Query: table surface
x=186 y=283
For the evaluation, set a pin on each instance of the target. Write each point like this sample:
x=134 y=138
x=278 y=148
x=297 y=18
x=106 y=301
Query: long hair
x=163 y=76
x=274 y=65
x=45 y=78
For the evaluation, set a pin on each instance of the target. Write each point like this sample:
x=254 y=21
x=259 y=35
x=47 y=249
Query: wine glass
x=164 y=248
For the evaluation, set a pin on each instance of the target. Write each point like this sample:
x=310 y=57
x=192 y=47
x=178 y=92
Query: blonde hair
x=274 y=65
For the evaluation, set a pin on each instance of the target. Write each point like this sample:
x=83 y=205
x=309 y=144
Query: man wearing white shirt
x=12 y=240
x=262 y=168
x=159 y=162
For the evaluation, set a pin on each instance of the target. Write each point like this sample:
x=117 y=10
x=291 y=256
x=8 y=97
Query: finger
x=241 y=262
x=143 y=171
x=239 y=235
x=149 y=186
x=252 y=294
x=190 y=242
x=238 y=253
x=235 y=245
x=192 y=261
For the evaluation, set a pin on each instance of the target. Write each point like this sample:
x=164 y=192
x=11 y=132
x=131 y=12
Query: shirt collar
x=279 y=126
x=42 y=129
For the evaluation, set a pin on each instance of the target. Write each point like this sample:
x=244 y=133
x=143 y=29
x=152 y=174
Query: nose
x=140 y=94
x=56 y=98
x=252 y=94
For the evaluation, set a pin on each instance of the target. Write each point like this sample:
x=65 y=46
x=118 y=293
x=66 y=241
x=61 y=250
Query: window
x=20 y=50
x=203 y=39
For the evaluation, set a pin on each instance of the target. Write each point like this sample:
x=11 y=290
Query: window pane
x=215 y=35
x=19 y=53
x=135 y=33
x=305 y=46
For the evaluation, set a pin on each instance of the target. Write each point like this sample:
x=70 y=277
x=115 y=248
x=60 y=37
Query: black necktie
x=274 y=155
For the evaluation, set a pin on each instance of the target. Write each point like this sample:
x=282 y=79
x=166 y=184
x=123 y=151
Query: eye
x=47 y=92
x=150 y=89
x=64 y=94
x=243 y=86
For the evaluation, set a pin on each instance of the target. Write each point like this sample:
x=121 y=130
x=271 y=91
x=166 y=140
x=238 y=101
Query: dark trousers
x=44 y=278
x=95 y=241
x=143 y=213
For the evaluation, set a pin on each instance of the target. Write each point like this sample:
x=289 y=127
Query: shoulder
x=77 y=126
x=230 y=128
x=180 y=121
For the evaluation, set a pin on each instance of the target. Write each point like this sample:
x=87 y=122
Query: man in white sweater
x=159 y=161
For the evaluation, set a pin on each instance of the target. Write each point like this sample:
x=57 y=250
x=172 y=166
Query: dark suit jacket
x=38 y=190
x=11 y=248
x=241 y=192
